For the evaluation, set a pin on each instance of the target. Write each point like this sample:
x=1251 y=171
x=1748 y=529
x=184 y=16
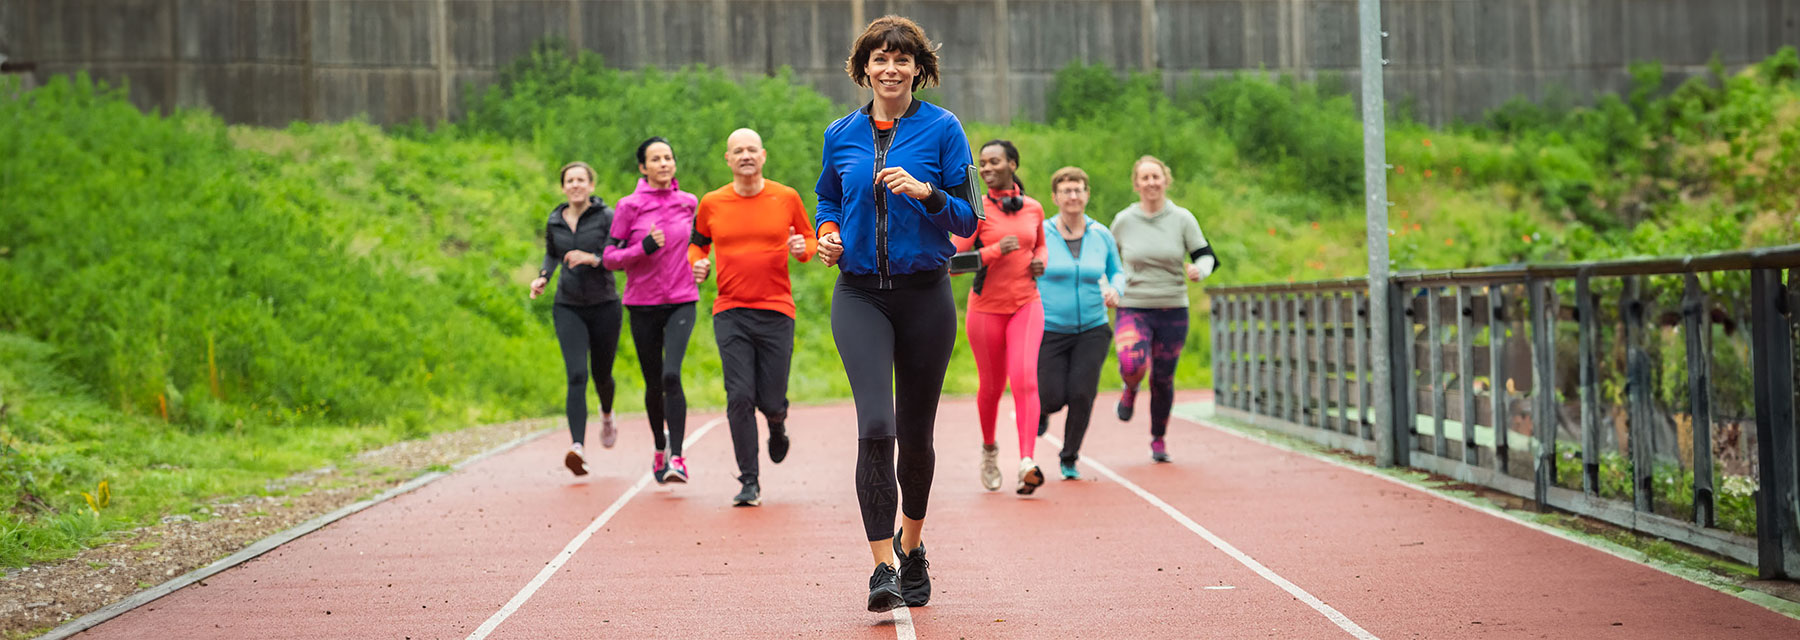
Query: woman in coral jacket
x=1006 y=318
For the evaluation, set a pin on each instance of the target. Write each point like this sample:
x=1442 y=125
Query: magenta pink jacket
x=654 y=274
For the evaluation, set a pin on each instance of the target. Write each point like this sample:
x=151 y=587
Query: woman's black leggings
x=1069 y=375
x=660 y=333
x=895 y=344
x=587 y=332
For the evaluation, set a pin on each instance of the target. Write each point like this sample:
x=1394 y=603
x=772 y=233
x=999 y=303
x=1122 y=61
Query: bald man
x=754 y=224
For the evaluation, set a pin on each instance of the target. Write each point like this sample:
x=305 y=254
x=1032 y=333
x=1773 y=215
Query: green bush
x=187 y=278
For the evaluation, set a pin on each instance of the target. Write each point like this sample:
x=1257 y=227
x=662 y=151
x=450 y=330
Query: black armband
x=967 y=194
x=699 y=240
x=1205 y=251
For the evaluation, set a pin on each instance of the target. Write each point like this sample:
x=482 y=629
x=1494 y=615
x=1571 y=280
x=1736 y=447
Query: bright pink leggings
x=1006 y=348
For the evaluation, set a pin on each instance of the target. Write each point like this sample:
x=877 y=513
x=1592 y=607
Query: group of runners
x=897 y=212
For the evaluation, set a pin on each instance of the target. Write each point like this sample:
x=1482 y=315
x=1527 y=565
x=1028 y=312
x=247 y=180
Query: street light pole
x=1375 y=187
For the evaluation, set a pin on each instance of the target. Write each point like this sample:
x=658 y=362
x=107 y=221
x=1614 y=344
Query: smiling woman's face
x=1149 y=180
x=996 y=169
x=659 y=163
x=891 y=73
x=577 y=185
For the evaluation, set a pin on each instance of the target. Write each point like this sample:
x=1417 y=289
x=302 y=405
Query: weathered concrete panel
x=130 y=31
x=207 y=31
x=276 y=31
x=374 y=33
x=516 y=26
x=335 y=58
x=61 y=31
x=1332 y=41
x=383 y=95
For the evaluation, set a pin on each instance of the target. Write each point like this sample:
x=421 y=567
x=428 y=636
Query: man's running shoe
x=678 y=471
x=778 y=443
x=1127 y=402
x=990 y=466
x=1069 y=472
x=749 y=496
x=915 y=577
x=884 y=589
x=608 y=434
x=1043 y=424
x=659 y=464
x=1030 y=477
x=1158 y=451
x=575 y=461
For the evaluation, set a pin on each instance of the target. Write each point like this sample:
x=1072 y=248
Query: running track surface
x=1088 y=558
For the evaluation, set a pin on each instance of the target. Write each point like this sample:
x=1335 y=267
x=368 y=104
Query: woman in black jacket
x=587 y=311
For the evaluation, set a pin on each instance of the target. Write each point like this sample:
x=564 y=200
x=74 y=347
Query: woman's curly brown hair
x=899 y=35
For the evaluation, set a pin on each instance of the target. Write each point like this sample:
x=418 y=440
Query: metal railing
x=1629 y=405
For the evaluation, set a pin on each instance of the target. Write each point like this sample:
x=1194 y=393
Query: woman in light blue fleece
x=1081 y=278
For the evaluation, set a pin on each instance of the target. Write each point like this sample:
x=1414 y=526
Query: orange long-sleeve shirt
x=1008 y=283
x=751 y=236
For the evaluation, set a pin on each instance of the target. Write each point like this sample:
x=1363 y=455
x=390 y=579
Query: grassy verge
x=60 y=443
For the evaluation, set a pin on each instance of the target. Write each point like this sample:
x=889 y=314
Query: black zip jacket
x=582 y=285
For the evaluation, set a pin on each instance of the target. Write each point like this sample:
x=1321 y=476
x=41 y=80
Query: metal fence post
x=1698 y=336
x=1465 y=373
x=1639 y=409
x=1497 y=377
x=1543 y=388
x=1393 y=434
x=1777 y=533
x=1585 y=310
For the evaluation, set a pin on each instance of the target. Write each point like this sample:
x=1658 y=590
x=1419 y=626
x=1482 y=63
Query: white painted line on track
x=555 y=564
x=1336 y=617
x=903 y=626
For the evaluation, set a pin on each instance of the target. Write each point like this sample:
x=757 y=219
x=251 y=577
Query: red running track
x=1089 y=558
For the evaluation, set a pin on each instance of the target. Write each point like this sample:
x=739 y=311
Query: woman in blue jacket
x=893 y=187
x=1081 y=279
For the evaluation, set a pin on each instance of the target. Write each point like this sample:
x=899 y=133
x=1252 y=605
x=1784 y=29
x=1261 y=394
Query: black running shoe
x=750 y=496
x=778 y=443
x=915 y=580
x=884 y=589
x=1043 y=424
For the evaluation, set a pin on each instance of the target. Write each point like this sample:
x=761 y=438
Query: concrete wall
x=273 y=61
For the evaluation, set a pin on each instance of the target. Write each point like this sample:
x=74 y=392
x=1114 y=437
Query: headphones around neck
x=1011 y=203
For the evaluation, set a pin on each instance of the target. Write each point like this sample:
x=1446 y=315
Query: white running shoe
x=990 y=467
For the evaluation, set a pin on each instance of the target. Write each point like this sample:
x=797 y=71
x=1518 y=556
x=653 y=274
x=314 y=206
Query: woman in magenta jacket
x=649 y=241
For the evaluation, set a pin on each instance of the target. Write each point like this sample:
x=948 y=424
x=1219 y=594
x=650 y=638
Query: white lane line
x=1336 y=617
x=555 y=564
x=903 y=626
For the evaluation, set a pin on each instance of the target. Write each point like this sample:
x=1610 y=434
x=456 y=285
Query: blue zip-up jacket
x=887 y=235
x=1070 y=286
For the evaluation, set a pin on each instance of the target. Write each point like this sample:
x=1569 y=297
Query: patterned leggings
x=1150 y=340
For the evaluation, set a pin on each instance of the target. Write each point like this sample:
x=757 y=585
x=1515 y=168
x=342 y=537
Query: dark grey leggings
x=1069 y=374
x=587 y=333
x=895 y=344
x=660 y=333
